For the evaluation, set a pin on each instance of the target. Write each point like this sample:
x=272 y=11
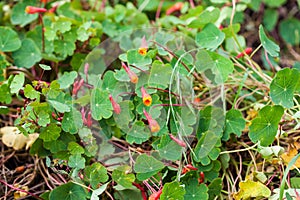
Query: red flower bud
x=153 y=125
x=133 y=77
x=33 y=10
x=178 y=141
x=176 y=7
x=247 y=51
x=115 y=105
x=147 y=99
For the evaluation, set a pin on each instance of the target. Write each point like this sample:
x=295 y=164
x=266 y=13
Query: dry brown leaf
x=20 y=194
x=12 y=137
x=289 y=155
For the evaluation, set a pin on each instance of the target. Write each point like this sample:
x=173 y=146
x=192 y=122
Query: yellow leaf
x=251 y=189
x=289 y=155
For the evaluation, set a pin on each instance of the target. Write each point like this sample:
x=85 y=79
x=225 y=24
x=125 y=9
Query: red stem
x=138 y=186
x=27 y=192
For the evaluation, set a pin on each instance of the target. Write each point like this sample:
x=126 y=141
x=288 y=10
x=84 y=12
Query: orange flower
x=133 y=77
x=142 y=51
x=33 y=10
x=153 y=125
x=144 y=47
x=147 y=99
x=115 y=105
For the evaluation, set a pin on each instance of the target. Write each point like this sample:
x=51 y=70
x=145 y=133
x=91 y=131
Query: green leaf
x=50 y=133
x=64 y=48
x=99 y=191
x=194 y=191
x=72 y=121
x=19 y=16
x=138 y=133
x=61 y=107
x=173 y=190
x=109 y=81
x=68 y=191
x=235 y=123
x=122 y=176
x=62 y=25
x=67 y=79
x=17 y=83
x=147 y=166
x=273 y=3
x=270 y=19
x=214 y=63
x=271 y=47
x=100 y=104
x=215 y=187
x=83 y=31
x=45 y=67
x=205 y=145
x=160 y=74
x=162 y=39
x=292 y=36
x=264 y=127
x=210 y=37
x=126 y=116
x=55 y=146
x=96 y=173
x=136 y=59
x=43 y=118
x=9 y=40
x=76 y=161
x=27 y=50
x=5 y=95
x=283 y=86
x=210 y=15
x=168 y=149
x=30 y=92
x=75 y=148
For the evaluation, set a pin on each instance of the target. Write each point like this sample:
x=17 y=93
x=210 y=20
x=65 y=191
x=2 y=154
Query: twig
x=21 y=190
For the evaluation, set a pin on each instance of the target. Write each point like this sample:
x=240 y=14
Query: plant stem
x=21 y=190
x=43 y=32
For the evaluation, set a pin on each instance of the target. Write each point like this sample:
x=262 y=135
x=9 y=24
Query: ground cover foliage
x=149 y=99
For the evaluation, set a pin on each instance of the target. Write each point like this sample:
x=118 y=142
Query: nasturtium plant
x=149 y=99
x=235 y=123
x=271 y=47
x=9 y=40
x=147 y=166
x=210 y=37
x=70 y=191
x=264 y=127
x=283 y=87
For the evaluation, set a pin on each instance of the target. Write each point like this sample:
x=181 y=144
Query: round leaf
x=264 y=127
x=173 y=190
x=210 y=37
x=9 y=40
x=283 y=86
x=28 y=50
x=147 y=166
x=100 y=104
x=68 y=191
x=292 y=35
